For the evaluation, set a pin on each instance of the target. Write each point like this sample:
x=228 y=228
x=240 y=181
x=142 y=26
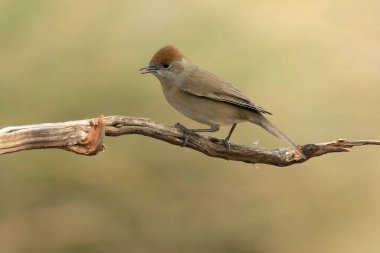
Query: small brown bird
x=204 y=97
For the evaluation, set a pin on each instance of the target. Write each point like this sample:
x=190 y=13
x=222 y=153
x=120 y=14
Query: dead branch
x=86 y=137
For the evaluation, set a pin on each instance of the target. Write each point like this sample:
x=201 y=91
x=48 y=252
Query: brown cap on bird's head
x=166 y=54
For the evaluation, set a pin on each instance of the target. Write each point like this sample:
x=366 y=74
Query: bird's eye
x=166 y=65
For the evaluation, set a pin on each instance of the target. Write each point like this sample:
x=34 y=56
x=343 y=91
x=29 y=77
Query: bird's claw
x=186 y=133
x=227 y=144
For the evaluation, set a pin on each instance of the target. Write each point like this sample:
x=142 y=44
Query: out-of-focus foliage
x=314 y=64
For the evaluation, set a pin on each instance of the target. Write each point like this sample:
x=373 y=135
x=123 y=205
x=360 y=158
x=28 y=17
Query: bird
x=205 y=97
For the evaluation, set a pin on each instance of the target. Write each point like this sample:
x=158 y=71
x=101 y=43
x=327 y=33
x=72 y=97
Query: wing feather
x=217 y=89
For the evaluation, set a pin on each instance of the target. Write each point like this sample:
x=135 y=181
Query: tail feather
x=267 y=125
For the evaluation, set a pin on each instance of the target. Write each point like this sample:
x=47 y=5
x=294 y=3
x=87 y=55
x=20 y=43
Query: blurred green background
x=314 y=64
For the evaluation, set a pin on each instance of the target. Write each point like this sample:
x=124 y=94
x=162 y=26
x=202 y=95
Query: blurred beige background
x=314 y=64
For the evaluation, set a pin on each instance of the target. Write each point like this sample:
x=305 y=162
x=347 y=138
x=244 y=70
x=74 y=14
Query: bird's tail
x=260 y=120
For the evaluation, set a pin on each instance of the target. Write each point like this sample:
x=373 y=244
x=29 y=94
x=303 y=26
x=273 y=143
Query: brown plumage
x=214 y=88
x=166 y=55
x=205 y=97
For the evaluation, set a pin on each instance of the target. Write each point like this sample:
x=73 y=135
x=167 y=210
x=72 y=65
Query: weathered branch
x=86 y=137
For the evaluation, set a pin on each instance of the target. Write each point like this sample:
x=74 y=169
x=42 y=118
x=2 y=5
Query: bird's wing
x=217 y=89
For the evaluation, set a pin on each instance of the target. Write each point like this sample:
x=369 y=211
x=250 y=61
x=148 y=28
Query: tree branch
x=86 y=137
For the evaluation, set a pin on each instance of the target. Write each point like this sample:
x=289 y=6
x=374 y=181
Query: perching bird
x=205 y=97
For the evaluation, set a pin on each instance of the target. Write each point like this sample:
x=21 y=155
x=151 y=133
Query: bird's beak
x=149 y=69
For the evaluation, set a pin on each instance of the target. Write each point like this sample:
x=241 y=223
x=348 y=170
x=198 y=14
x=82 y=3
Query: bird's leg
x=187 y=131
x=226 y=140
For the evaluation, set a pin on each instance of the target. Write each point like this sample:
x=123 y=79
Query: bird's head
x=167 y=62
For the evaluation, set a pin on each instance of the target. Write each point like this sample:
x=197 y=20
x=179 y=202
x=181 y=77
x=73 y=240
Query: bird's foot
x=186 y=133
x=226 y=143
